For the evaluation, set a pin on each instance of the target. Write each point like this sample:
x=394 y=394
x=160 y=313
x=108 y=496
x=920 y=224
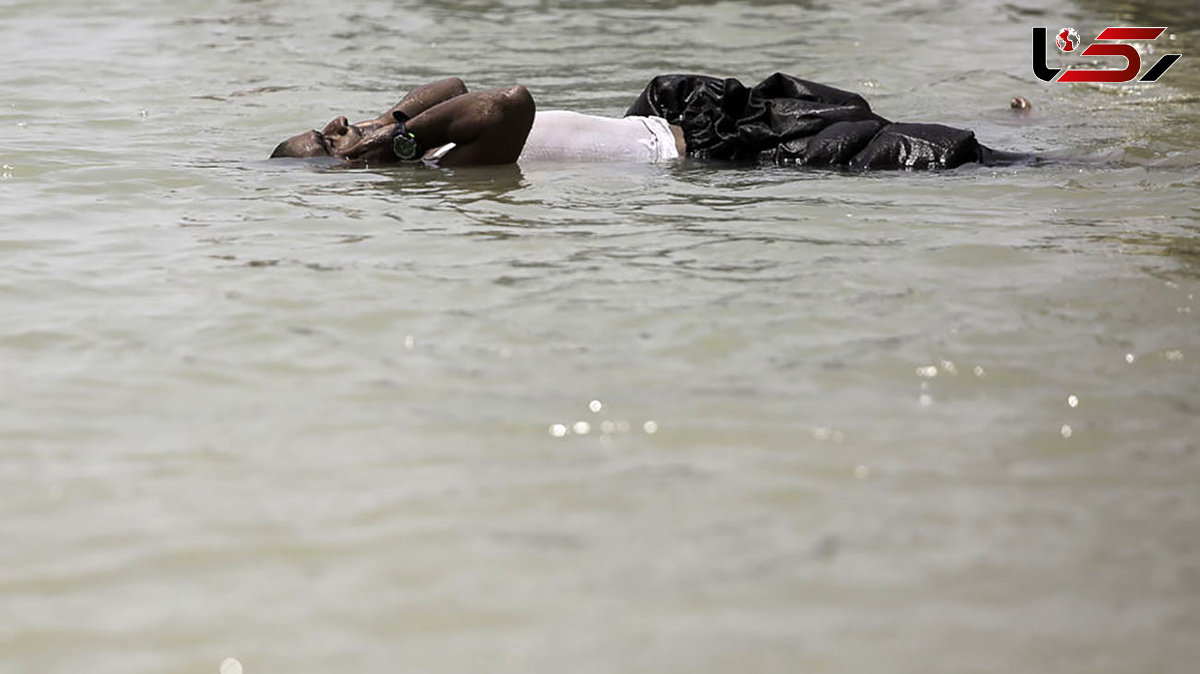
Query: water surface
x=580 y=418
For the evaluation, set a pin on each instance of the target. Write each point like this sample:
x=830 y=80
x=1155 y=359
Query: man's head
x=307 y=144
x=361 y=142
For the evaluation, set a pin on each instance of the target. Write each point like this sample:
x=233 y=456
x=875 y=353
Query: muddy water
x=579 y=418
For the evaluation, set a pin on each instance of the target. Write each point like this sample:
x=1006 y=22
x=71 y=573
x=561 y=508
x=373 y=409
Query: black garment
x=787 y=120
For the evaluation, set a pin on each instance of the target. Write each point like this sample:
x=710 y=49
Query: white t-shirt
x=559 y=135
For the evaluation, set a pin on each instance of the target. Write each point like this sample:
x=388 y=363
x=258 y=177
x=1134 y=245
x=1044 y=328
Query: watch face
x=405 y=146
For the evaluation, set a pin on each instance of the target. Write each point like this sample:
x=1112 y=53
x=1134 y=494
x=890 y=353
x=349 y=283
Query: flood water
x=679 y=417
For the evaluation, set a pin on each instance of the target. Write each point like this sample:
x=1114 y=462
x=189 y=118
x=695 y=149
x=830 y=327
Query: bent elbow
x=516 y=106
x=519 y=98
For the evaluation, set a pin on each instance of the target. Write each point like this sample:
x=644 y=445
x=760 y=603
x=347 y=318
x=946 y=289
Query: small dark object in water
x=1020 y=103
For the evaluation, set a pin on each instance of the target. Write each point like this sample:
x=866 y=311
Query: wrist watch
x=404 y=144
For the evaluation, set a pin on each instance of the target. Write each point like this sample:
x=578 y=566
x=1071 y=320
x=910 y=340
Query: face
x=365 y=141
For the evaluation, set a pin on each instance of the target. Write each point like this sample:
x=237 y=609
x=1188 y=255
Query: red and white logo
x=1067 y=40
x=1110 y=42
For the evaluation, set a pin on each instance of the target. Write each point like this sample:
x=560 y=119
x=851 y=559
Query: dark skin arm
x=487 y=127
x=424 y=97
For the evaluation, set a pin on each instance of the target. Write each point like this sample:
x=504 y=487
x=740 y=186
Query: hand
x=373 y=146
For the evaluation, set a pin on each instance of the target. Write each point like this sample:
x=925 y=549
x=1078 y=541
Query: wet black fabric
x=788 y=120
